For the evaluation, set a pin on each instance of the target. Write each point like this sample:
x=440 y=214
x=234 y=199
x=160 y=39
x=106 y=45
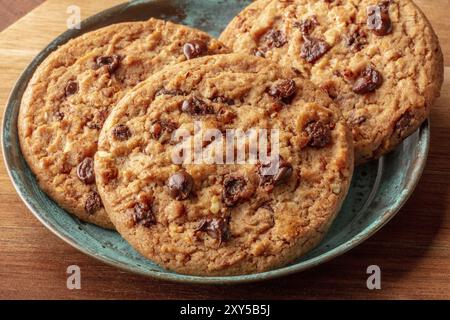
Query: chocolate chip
x=403 y=123
x=274 y=39
x=274 y=172
x=197 y=107
x=313 y=49
x=284 y=90
x=216 y=228
x=368 y=81
x=121 y=132
x=143 y=214
x=195 y=49
x=307 y=25
x=162 y=126
x=271 y=39
x=378 y=20
x=355 y=40
x=284 y=173
x=85 y=171
x=93 y=203
x=71 y=88
x=319 y=134
x=180 y=185
x=235 y=189
x=111 y=62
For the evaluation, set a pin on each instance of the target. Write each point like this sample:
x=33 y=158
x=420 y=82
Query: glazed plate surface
x=379 y=189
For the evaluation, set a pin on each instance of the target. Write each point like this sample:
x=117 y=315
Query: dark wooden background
x=413 y=250
x=11 y=10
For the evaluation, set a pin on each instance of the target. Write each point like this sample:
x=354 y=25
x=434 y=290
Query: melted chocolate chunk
x=85 y=171
x=216 y=228
x=274 y=173
x=180 y=185
x=93 y=203
x=319 y=134
x=271 y=39
x=143 y=214
x=195 y=49
x=368 y=81
x=313 y=49
x=71 y=88
x=403 y=123
x=274 y=39
x=111 y=62
x=162 y=126
x=378 y=20
x=284 y=90
x=121 y=132
x=235 y=189
x=196 y=107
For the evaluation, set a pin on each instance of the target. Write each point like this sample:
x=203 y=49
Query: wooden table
x=413 y=250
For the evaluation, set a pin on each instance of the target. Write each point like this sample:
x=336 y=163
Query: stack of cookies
x=109 y=121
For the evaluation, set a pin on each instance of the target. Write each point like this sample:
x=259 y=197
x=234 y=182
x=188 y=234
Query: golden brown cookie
x=205 y=216
x=73 y=91
x=379 y=60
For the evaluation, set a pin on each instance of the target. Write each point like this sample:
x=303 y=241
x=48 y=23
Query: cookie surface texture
x=379 y=60
x=71 y=95
x=202 y=216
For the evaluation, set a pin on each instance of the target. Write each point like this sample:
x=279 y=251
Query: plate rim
x=361 y=236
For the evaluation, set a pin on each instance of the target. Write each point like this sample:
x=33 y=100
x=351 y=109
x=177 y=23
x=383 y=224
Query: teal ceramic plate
x=378 y=190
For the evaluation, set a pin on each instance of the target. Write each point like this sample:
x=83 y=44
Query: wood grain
x=413 y=250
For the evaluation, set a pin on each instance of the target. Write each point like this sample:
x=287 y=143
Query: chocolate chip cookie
x=239 y=205
x=71 y=95
x=379 y=60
